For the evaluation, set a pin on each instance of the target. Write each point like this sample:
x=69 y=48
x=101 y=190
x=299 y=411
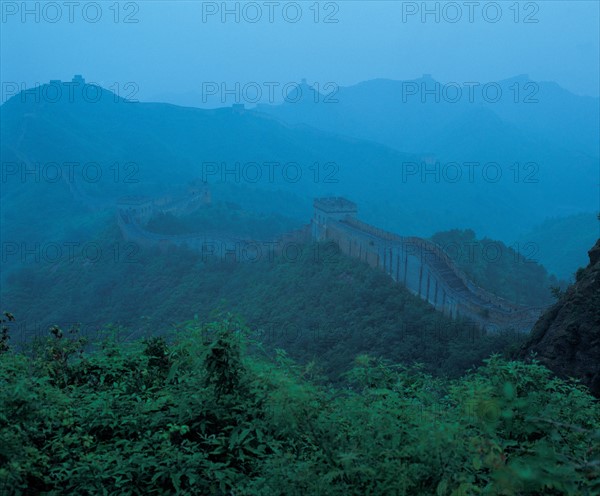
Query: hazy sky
x=175 y=47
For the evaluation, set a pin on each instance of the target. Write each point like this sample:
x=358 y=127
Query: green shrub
x=200 y=415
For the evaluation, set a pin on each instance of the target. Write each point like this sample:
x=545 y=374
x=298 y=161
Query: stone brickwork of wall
x=428 y=272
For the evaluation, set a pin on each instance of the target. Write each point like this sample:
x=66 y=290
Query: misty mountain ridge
x=350 y=141
x=533 y=106
x=412 y=114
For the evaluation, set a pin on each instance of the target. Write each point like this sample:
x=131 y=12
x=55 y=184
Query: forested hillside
x=315 y=303
x=513 y=272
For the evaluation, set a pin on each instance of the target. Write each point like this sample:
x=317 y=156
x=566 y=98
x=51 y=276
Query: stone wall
x=428 y=272
x=213 y=245
x=418 y=264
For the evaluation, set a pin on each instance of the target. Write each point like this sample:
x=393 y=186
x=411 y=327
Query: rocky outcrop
x=566 y=338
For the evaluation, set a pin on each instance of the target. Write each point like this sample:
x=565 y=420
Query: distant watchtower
x=199 y=192
x=328 y=210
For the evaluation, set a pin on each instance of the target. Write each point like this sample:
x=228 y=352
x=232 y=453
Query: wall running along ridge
x=418 y=264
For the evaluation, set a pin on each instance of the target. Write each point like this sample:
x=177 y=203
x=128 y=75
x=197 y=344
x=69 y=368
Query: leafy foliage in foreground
x=202 y=416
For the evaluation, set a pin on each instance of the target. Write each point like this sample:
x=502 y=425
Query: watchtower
x=330 y=209
x=199 y=192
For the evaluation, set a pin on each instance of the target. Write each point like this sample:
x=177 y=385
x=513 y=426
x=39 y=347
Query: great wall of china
x=418 y=264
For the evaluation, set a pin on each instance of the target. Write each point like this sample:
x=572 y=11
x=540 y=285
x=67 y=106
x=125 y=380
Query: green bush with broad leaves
x=203 y=415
